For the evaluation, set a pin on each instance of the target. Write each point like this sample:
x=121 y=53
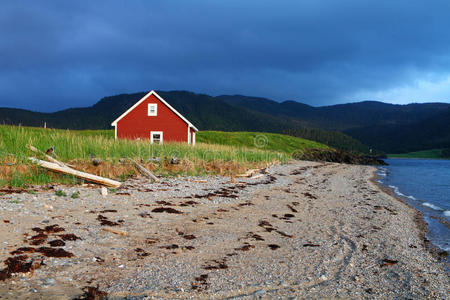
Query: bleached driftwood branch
x=66 y=170
x=34 y=149
x=144 y=171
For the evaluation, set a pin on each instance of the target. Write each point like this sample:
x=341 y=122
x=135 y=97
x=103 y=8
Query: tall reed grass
x=79 y=147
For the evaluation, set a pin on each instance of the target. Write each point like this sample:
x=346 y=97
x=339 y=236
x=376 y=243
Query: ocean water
x=425 y=184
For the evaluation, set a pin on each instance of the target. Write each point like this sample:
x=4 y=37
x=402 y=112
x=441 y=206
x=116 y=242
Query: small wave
x=431 y=205
x=397 y=191
x=447 y=213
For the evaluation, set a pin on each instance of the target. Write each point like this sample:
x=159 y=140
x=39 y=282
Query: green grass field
x=215 y=152
x=433 y=153
x=260 y=140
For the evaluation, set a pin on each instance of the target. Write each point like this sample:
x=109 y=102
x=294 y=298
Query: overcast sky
x=60 y=54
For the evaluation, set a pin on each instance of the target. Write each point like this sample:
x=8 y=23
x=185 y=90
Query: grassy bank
x=210 y=155
x=433 y=153
x=260 y=140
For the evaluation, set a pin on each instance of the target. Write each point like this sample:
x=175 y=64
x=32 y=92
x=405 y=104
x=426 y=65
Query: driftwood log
x=34 y=149
x=66 y=170
x=248 y=173
x=115 y=231
x=144 y=171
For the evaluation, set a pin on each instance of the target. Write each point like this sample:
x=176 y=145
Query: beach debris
x=216 y=265
x=115 y=231
x=310 y=244
x=15 y=191
x=54 y=252
x=282 y=233
x=269 y=228
x=96 y=161
x=141 y=253
x=309 y=195
x=123 y=193
x=388 y=262
x=170 y=247
x=68 y=237
x=151 y=241
x=188 y=203
x=98 y=259
x=255 y=236
x=225 y=192
x=299 y=171
x=291 y=208
x=266 y=225
x=174 y=161
x=105 y=222
x=249 y=173
x=144 y=214
x=200 y=282
x=66 y=170
x=257 y=176
x=197 y=180
x=144 y=171
x=273 y=246
x=189 y=236
x=108 y=211
x=154 y=160
x=443 y=253
x=168 y=210
x=92 y=293
x=246 y=247
x=18 y=264
x=49 y=229
x=57 y=243
x=104 y=191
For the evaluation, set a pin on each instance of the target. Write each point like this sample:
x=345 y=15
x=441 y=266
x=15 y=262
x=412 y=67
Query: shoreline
x=428 y=158
x=304 y=229
x=419 y=220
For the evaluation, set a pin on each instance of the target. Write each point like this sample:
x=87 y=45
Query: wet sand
x=307 y=230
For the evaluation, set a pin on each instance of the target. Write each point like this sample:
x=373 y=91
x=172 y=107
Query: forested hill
x=342 y=116
x=372 y=122
x=391 y=128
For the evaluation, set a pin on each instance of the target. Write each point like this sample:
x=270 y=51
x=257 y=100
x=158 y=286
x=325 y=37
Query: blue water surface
x=425 y=184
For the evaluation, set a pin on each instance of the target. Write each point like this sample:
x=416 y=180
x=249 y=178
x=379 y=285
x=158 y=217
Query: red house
x=154 y=119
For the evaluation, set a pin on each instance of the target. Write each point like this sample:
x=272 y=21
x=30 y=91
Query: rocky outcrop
x=338 y=157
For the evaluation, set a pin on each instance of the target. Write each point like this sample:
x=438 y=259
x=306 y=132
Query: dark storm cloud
x=58 y=54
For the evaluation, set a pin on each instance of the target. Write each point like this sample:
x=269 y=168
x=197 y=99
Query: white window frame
x=156 y=132
x=149 y=111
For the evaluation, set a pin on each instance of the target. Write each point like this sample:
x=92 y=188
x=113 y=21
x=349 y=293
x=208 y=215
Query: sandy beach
x=302 y=230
